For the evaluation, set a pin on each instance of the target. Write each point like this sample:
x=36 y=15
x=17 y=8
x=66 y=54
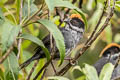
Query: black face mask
x=77 y=22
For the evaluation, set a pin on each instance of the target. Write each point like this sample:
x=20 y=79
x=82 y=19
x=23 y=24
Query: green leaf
x=11 y=14
x=38 y=42
x=2 y=18
x=81 y=78
x=57 y=78
x=9 y=33
x=57 y=36
x=17 y=9
x=1 y=74
x=25 y=55
x=39 y=66
x=11 y=67
x=117 y=2
x=29 y=9
x=77 y=68
x=117 y=5
x=106 y=72
x=108 y=34
x=60 y=3
x=117 y=38
x=90 y=72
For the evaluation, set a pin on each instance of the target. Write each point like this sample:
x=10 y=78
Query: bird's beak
x=66 y=20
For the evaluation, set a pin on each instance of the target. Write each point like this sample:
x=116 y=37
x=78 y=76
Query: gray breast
x=71 y=38
x=68 y=39
x=101 y=62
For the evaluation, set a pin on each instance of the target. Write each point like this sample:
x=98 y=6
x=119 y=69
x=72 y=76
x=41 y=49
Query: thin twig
x=117 y=62
x=46 y=64
x=43 y=74
x=96 y=27
x=29 y=24
x=19 y=44
x=51 y=44
x=20 y=22
x=35 y=20
x=68 y=66
x=36 y=13
x=20 y=14
x=32 y=70
x=6 y=54
x=53 y=67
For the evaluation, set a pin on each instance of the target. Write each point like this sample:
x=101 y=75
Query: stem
x=32 y=70
x=6 y=54
x=29 y=18
x=20 y=22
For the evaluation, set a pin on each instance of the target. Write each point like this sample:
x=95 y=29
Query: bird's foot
x=71 y=61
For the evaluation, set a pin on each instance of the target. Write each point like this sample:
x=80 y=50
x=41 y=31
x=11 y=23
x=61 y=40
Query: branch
x=36 y=13
x=6 y=54
x=69 y=65
x=20 y=22
x=46 y=64
x=32 y=70
x=96 y=27
x=44 y=67
x=43 y=74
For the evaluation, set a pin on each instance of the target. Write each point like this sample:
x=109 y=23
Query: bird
x=72 y=32
x=110 y=54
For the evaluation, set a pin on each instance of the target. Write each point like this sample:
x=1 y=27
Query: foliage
x=35 y=20
x=91 y=73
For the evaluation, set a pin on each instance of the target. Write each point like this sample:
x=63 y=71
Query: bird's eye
x=74 y=22
x=116 y=50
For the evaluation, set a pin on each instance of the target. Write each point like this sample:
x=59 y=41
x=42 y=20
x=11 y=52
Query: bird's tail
x=36 y=56
x=26 y=63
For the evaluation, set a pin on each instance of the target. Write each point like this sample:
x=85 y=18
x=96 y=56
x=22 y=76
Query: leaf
x=106 y=72
x=29 y=9
x=77 y=68
x=108 y=34
x=60 y=3
x=117 y=38
x=25 y=55
x=117 y=5
x=38 y=42
x=90 y=72
x=17 y=9
x=117 y=2
x=9 y=33
x=11 y=14
x=11 y=67
x=57 y=78
x=2 y=18
x=1 y=74
x=57 y=36
x=39 y=66
x=81 y=78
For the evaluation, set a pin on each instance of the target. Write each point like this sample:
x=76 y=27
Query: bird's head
x=75 y=22
x=112 y=50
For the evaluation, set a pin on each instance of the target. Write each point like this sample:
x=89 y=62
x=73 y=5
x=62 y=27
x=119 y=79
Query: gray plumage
x=109 y=58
